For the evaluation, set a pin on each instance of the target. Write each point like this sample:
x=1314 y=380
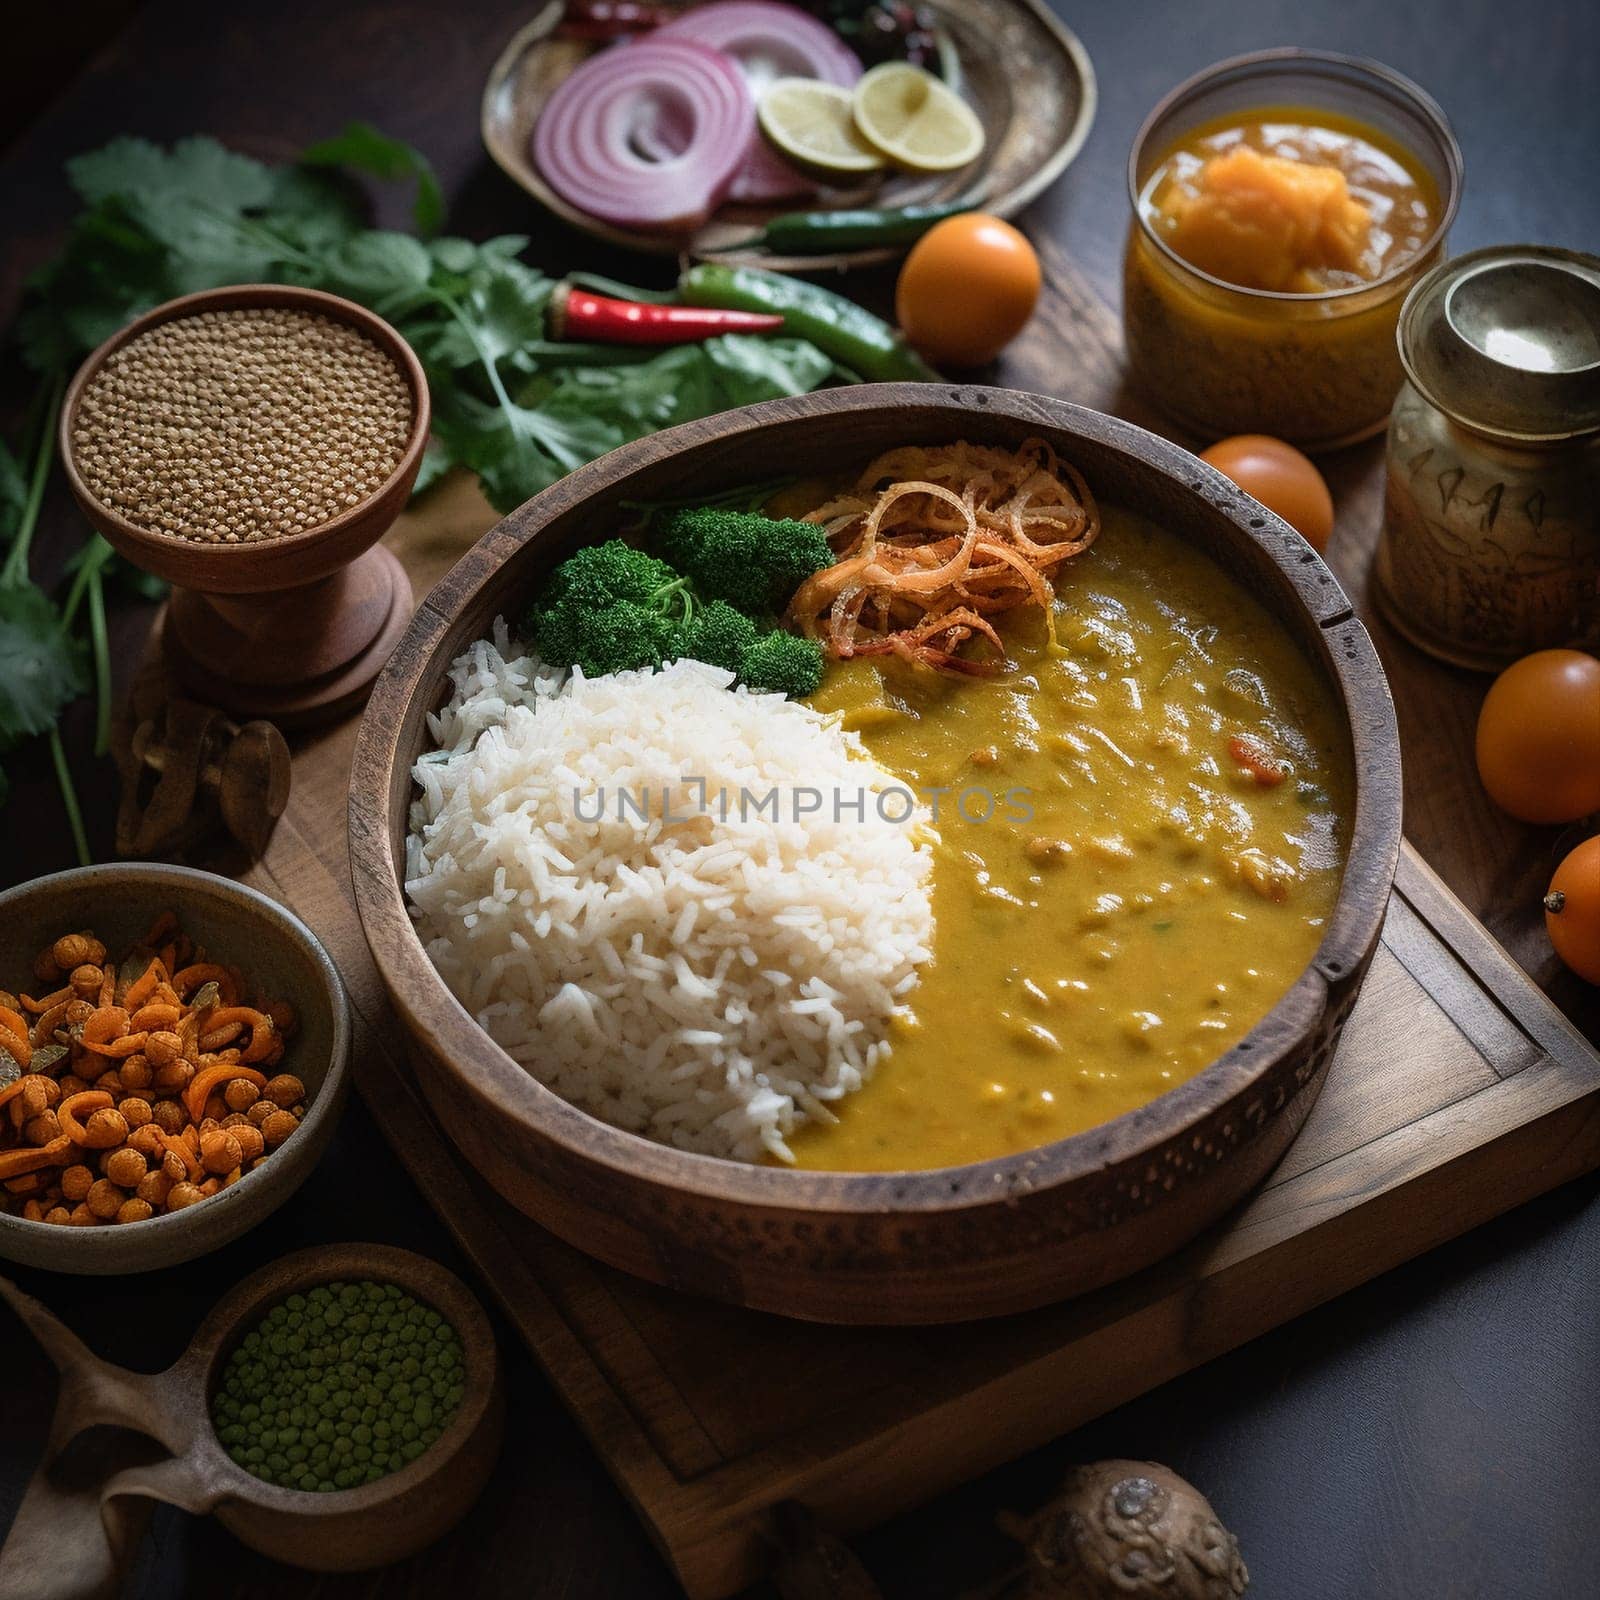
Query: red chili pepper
x=610 y=19
x=578 y=314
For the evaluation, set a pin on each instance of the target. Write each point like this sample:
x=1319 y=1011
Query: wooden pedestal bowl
x=918 y=1246
x=344 y=1530
x=293 y=628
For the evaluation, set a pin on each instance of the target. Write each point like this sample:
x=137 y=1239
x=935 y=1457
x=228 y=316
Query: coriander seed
x=233 y=426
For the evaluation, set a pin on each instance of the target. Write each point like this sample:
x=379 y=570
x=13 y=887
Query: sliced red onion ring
x=648 y=134
x=764 y=176
x=769 y=40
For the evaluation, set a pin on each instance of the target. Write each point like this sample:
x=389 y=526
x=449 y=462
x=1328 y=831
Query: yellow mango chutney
x=1159 y=898
x=1266 y=264
x=1292 y=201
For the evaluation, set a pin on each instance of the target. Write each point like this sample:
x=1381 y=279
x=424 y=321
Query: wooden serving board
x=1459 y=1091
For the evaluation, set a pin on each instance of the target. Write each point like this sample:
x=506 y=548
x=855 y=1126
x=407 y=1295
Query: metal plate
x=1027 y=77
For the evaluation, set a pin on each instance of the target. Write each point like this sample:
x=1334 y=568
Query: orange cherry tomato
x=1539 y=737
x=1279 y=477
x=1572 y=910
x=966 y=290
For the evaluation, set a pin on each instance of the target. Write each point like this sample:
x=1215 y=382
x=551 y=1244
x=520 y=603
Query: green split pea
x=338 y=1387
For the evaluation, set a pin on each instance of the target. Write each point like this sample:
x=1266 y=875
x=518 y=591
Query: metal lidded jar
x=1491 y=528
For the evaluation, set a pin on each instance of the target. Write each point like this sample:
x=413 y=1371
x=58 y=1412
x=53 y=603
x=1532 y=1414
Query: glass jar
x=1318 y=369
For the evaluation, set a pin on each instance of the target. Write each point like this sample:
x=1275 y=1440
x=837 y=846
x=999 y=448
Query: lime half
x=916 y=120
x=813 y=123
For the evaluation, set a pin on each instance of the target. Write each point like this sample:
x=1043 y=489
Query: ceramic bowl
x=916 y=1246
x=277 y=951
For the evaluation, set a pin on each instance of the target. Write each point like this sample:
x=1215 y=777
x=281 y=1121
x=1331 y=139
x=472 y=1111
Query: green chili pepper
x=851 y=334
x=818 y=233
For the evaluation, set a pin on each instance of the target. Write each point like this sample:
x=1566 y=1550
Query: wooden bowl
x=276 y=949
x=928 y=1246
x=293 y=628
x=342 y=1530
x=1022 y=71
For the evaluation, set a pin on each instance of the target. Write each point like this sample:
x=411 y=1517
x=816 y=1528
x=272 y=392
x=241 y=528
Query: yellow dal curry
x=1160 y=898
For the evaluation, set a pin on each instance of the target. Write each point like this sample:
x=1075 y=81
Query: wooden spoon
x=74 y=1539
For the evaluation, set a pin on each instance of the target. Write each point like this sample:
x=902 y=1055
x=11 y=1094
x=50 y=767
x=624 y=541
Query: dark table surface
x=1430 y=1437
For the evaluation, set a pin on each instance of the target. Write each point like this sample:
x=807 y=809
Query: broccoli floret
x=617 y=637
x=610 y=608
x=720 y=635
x=783 y=662
x=623 y=636
x=755 y=563
x=610 y=571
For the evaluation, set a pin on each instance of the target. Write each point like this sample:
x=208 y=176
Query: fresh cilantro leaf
x=109 y=271
x=518 y=450
x=491 y=310
x=455 y=256
x=514 y=470
x=192 y=200
x=746 y=369
x=206 y=247
x=363 y=149
x=676 y=385
x=196 y=170
x=510 y=459
x=573 y=438
x=505 y=246
x=314 y=204
x=635 y=399
x=509 y=306
x=41 y=666
x=116 y=168
x=387 y=271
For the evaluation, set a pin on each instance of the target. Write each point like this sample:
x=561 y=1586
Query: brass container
x=1491 y=530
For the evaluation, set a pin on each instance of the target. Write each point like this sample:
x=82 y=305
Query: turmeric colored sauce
x=1189 y=785
x=1292 y=200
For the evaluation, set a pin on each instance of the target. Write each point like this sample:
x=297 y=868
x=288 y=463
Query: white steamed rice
x=712 y=983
